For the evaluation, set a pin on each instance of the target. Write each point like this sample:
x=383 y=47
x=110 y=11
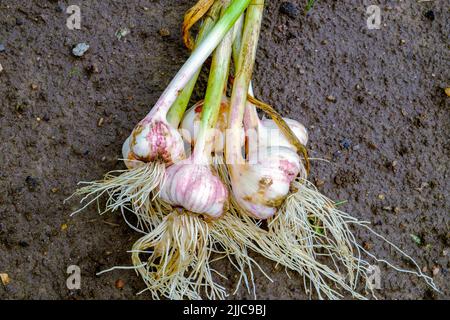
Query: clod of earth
x=289 y=9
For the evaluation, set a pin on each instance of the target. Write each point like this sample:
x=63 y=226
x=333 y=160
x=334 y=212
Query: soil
x=372 y=100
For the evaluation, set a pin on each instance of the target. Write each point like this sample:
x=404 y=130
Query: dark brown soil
x=385 y=131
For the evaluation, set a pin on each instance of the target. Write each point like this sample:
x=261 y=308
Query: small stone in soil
x=122 y=32
x=289 y=9
x=164 y=32
x=337 y=155
x=60 y=8
x=120 y=284
x=331 y=98
x=372 y=145
x=32 y=183
x=2 y=47
x=4 y=277
x=416 y=239
x=319 y=182
x=429 y=15
x=80 y=49
x=447 y=91
x=346 y=143
x=436 y=270
x=1 y=68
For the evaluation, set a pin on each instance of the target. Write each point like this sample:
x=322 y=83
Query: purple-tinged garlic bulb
x=261 y=185
x=196 y=188
x=151 y=140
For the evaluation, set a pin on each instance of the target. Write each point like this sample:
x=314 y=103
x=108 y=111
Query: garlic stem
x=244 y=67
x=251 y=119
x=237 y=41
x=217 y=81
x=177 y=110
x=192 y=184
x=197 y=58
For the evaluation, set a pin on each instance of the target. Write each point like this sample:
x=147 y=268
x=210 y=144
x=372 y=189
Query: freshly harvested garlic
x=194 y=187
x=155 y=139
x=261 y=185
x=267 y=129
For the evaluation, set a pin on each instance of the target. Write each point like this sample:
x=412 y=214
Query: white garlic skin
x=191 y=123
x=269 y=133
x=127 y=156
x=262 y=185
x=155 y=139
x=278 y=139
x=195 y=188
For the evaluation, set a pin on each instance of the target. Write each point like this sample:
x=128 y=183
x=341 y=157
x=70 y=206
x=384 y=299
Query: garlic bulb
x=155 y=139
x=262 y=184
x=268 y=129
x=191 y=123
x=276 y=138
x=194 y=187
x=128 y=158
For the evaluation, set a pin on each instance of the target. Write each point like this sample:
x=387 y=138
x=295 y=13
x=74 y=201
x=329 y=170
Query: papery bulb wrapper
x=156 y=139
x=129 y=159
x=191 y=124
x=269 y=134
x=262 y=185
x=279 y=139
x=196 y=188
